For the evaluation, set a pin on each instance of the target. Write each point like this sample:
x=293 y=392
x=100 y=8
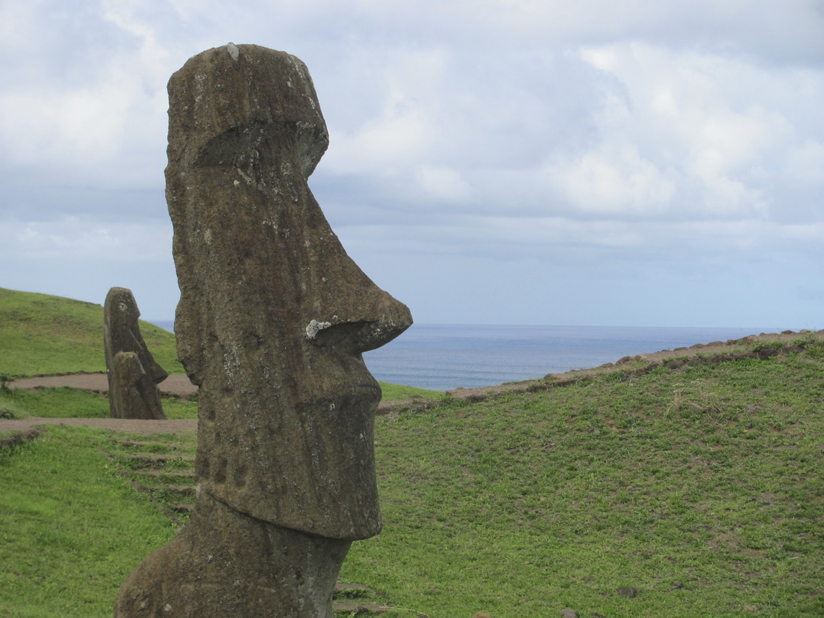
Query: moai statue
x=272 y=321
x=132 y=372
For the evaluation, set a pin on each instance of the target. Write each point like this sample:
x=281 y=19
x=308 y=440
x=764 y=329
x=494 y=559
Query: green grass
x=701 y=487
x=71 y=528
x=54 y=403
x=708 y=477
x=392 y=392
x=47 y=335
x=74 y=403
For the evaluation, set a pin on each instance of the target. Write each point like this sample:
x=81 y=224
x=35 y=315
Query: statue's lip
x=373 y=388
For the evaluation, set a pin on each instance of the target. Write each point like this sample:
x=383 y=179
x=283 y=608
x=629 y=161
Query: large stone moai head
x=273 y=315
x=132 y=372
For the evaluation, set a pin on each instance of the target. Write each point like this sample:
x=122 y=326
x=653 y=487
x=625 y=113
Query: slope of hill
x=684 y=490
x=675 y=488
x=47 y=335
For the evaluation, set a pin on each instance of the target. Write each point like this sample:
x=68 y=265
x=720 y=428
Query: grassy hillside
x=70 y=527
x=697 y=487
x=47 y=335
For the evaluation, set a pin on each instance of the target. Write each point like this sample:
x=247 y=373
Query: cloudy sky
x=644 y=162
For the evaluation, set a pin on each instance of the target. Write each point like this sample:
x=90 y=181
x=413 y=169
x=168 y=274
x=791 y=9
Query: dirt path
x=176 y=384
x=145 y=428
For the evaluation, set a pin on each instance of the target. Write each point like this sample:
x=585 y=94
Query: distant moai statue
x=272 y=321
x=132 y=372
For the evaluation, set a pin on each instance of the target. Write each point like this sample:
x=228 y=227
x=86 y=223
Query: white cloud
x=633 y=130
x=602 y=58
x=546 y=238
x=657 y=132
x=18 y=23
x=805 y=163
x=87 y=100
x=83 y=126
x=403 y=130
x=399 y=138
x=443 y=184
x=615 y=180
x=78 y=238
x=721 y=122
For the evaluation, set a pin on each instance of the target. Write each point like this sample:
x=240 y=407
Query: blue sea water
x=442 y=357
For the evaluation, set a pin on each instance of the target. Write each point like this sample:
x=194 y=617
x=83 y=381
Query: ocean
x=443 y=357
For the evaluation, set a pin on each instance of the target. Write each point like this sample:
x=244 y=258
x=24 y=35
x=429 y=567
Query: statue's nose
x=378 y=323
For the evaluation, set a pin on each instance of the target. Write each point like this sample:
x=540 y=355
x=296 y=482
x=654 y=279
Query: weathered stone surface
x=227 y=564
x=131 y=370
x=273 y=315
x=132 y=394
x=272 y=321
